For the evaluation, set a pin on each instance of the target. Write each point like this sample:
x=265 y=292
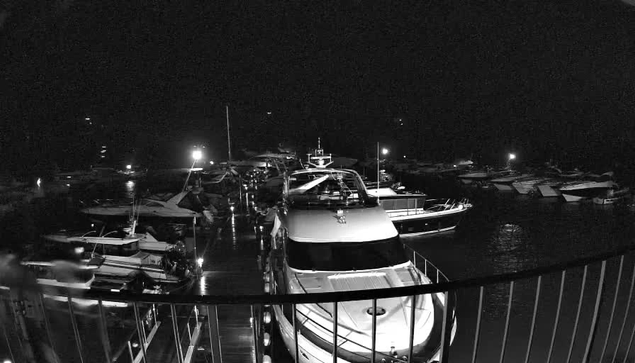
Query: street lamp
x=128 y=167
x=512 y=156
x=384 y=151
x=197 y=155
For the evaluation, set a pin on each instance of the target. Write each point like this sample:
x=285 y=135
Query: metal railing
x=578 y=311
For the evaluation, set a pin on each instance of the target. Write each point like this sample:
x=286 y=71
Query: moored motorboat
x=504 y=184
x=414 y=214
x=613 y=196
x=331 y=236
x=186 y=204
x=585 y=189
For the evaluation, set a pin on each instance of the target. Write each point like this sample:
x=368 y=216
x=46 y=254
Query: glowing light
x=39 y=182
x=79 y=250
x=384 y=151
x=135 y=345
x=68 y=185
x=266 y=317
x=87 y=118
x=512 y=156
x=128 y=167
x=269 y=112
x=231 y=208
x=261 y=228
x=68 y=177
x=199 y=261
x=211 y=162
x=6 y=361
x=404 y=156
x=197 y=155
x=461 y=207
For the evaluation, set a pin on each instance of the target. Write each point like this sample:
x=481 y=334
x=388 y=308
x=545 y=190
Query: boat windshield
x=345 y=256
x=327 y=188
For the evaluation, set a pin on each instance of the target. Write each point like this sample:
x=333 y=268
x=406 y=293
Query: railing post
x=628 y=307
x=373 y=346
x=617 y=290
x=557 y=319
x=142 y=342
x=295 y=333
x=47 y=326
x=577 y=315
x=103 y=330
x=175 y=331
x=78 y=341
x=413 y=317
x=446 y=328
x=533 y=319
x=214 y=335
x=509 y=311
x=598 y=302
x=477 y=331
x=335 y=317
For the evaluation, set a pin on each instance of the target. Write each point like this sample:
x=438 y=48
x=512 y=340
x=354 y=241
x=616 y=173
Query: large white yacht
x=331 y=236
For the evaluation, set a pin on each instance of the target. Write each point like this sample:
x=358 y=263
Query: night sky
x=547 y=79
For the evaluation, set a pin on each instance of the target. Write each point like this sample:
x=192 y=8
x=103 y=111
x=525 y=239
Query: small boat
x=528 y=185
x=54 y=275
x=593 y=186
x=613 y=196
x=331 y=235
x=186 y=204
x=122 y=257
x=504 y=184
x=413 y=214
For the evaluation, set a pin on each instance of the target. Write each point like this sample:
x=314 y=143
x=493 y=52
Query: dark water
x=502 y=233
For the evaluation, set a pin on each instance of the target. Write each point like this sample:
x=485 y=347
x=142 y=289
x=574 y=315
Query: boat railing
x=574 y=311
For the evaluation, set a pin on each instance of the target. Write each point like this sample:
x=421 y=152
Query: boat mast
x=229 y=144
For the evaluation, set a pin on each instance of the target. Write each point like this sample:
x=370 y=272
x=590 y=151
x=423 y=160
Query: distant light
x=269 y=112
x=197 y=155
x=384 y=151
x=199 y=261
x=211 y=162
x=68 y=185
x=87 y=119
x=103 y=146
x=231 y=208
x=39 y=182
x=128 y=167
x=135 y=345
x=404 y=156
x=454 y=166
x=68 y=177
x=103 y=151
x=512 y=156
x=79 y=250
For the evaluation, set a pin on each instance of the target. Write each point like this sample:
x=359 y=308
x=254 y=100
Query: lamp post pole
x=377 y=170
x=229 y=144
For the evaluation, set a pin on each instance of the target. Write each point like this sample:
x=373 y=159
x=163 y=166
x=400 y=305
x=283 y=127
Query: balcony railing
x=578 y=311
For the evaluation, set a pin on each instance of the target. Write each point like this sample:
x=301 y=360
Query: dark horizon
x=547 y=80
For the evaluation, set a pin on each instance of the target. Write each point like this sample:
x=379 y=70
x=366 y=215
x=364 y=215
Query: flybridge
x=318 y=159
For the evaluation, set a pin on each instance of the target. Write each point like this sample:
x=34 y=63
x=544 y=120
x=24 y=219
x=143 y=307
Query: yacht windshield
x=328 y=188
x=345 y=256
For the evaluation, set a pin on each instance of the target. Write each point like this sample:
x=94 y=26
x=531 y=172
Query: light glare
x=197 y=155
x=384 y=151
x=512 y=156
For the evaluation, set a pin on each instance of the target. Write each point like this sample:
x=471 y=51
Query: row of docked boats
x=333 y=232
x=572 y=186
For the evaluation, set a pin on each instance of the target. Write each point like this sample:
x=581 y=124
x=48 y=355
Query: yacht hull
x=428 y=223
x=314 y=349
